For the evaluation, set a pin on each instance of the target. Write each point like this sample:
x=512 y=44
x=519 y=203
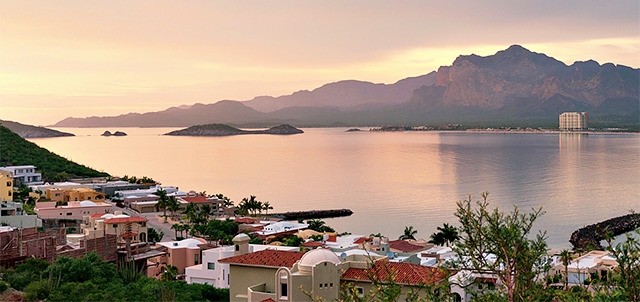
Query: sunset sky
x=85 y=58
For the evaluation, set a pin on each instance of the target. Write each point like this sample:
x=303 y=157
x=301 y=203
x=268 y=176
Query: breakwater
x=314 y=214
x=591 y=235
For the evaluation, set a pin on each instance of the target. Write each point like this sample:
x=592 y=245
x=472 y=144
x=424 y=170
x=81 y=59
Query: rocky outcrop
x=28 y=131
x=226 y=130
x=314 y=214
x=590 y=236
x=117 y=133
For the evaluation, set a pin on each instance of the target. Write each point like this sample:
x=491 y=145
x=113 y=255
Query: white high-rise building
x=574 y=121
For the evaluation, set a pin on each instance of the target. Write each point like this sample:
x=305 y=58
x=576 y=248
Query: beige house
x=73 y=194
x=119 y=224
x=581 y=268
x=318 y=274
x=6 y=186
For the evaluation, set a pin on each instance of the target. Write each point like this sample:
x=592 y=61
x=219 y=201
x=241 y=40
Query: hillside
x=515 y=86
x=226 y=130
x=28 y=131
x=15 y=150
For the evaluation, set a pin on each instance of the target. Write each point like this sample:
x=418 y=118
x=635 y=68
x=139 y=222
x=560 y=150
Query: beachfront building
x=319 y=274
x=26 y=175
x=212 y=272
x=74 y=210
x=581 y=268
x=73 y=194
x=280 y=229
x=6 y=186
x=574 y=121
x=12 y=214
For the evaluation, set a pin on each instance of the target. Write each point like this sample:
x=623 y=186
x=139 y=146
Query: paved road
x=155 y=221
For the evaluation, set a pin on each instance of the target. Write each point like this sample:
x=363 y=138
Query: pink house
x=74 y=210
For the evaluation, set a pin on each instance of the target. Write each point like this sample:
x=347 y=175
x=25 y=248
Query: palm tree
x=173 y=205
x=163 y=201
x=446 y=235
x=266 y=206
x=191 y=212
x=315 y=224
x=409 y=233
x=565 y=257
x=176 y=227
x=170 y=273
x=226 y=201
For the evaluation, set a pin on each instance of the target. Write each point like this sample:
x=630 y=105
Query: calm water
x=390 y=180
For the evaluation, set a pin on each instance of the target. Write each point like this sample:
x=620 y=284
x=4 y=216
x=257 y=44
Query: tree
x=319 y=226
x=191 y=212
x=173 y=205
x=627 y=254
x=266 y=206
x=565 y=258
x=446 y=235
x=154 y=236
x=170 y=273
x=409 y=233
x=486 y=232
x=226 y=201
x=163 y=201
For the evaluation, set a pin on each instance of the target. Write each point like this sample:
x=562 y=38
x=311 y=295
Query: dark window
x=68 y=214
x=283 y=290
x=212 y=265
x=237 y=247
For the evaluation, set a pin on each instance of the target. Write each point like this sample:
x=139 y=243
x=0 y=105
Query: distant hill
x=226 y=130
x=16 y=151
x=513 y=86
x=28 y=131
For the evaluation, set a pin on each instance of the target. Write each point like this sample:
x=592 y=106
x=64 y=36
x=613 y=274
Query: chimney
x=241 y=244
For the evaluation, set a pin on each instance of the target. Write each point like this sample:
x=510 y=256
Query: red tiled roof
x=97 y=215
x=360 y=240
x=312 y=244
x=405 y=246
x=398 y=272
x=271 y=258
x=268 y=300
x=196 y=199
x=245 y=220
x=125 y=220
x=332 y=238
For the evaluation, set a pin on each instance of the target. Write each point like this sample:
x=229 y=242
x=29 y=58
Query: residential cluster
x=115 y=218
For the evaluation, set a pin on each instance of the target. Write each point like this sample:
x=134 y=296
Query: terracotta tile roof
x=125 y=220
x=398 y=272
x=196 y=199
x=245 y=220
x=360 y=240
x=270 y=258
x=97 y=215
x=312 y=244
x=405 y=246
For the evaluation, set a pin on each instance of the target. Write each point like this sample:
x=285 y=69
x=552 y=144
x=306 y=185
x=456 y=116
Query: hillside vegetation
x=15 y=151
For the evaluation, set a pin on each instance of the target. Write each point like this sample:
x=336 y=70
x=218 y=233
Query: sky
x=63 y=58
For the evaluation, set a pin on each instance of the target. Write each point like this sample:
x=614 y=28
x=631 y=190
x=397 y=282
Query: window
x=320 y=285
x=196 y=259
x=237 y=247
x=283 y=290
x=331 y=284
x=8 y=184
x=212 y=266
x=10 y=193
x=69 y=214
x=359 y=291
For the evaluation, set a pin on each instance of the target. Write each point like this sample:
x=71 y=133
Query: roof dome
x=241 y=237
x=86 y=203
x=314 y=257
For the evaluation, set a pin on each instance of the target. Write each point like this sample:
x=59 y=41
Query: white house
x=217 y=274
x=24 y=174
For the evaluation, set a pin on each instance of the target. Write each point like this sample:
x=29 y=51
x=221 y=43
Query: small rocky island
x=226 y=130
x=117 y=133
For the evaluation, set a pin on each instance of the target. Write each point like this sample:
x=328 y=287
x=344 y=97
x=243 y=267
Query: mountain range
x=514 y=86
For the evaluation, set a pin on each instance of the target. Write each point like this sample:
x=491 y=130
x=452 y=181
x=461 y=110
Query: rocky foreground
x=226 y=130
